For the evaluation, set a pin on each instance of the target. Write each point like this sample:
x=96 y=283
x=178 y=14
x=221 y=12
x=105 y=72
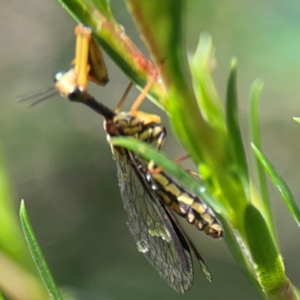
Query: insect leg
x=155 y=170
x=142 y=95
x=81 y=56
x=121 y=102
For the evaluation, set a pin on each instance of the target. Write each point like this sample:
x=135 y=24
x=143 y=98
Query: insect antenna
x=38 y=96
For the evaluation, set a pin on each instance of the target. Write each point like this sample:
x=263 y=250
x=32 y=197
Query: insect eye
x=58 y=76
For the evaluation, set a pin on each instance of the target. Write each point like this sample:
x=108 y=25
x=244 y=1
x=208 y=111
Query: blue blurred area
x=60 y=163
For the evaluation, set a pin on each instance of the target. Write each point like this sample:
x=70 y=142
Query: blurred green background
x=58 y=159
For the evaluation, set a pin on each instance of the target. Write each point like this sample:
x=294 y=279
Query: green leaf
x=234 y=131
x=239 y=255
x=279 y=184
x=1 y=296
x=175 y=171
x=11 y=240
x=202 y=65
x=37 y=255
x=265 y=255
x=256 y=139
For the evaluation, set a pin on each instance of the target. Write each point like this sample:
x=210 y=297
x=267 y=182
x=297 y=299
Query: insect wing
x=181 y=232
x=185 y=241
x=152 y=229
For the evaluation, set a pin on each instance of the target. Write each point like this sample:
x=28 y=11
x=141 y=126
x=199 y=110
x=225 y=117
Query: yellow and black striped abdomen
x=186 y=204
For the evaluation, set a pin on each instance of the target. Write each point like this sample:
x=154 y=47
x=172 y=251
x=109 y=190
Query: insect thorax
x=142 y=126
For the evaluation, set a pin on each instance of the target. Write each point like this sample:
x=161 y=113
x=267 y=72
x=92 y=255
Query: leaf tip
x=297 y=119
x=258 y=84
x=22 y=206
x=205 y=36
x=22 y=212
x=233 y=64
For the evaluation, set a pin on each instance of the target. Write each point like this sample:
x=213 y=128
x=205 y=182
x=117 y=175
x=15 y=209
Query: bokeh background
x=58 y=160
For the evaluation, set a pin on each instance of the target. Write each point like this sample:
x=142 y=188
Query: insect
x=148 y=198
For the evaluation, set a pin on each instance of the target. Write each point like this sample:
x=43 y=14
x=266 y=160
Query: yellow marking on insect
x=129 y=131
x=146 y=117
x=199 y=208
x=186 y=199
x=156 y=132
x=208 y=218
x=146 y=135
x=159 y=177
x=173 y=189
x=133 y=122
x=215 y=230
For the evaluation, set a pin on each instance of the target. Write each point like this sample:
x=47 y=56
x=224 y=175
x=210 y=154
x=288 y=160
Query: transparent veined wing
x=152 y=229
x=142 y=167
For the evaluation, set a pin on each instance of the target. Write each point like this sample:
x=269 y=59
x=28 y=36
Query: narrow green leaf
x=279 y=184
x=175 y=171
x=267 y=261
x=11 y=239
x=202 y=65
x=1 y=296
x=238 y=254
x=37 y=254
x=234 y=130
x=256 y=139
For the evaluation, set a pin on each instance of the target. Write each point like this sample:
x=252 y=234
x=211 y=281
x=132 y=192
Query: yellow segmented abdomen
x=187 y=205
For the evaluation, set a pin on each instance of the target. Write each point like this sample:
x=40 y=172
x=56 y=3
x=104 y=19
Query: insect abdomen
x=186 y=205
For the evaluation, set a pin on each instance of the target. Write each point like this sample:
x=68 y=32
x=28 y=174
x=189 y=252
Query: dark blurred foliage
x=59 y=161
